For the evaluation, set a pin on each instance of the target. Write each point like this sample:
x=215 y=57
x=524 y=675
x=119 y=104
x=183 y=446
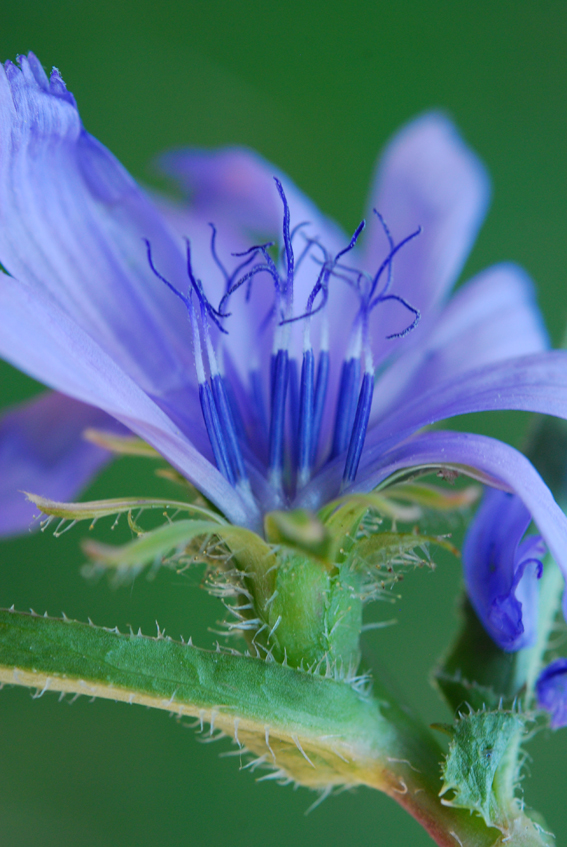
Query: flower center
x=298 y=395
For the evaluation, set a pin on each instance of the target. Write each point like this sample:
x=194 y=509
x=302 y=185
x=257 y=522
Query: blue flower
x=501 y=570
x=551 y=692
x=269 y=377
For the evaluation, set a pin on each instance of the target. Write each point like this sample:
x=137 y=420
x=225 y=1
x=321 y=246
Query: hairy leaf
x=480 y=768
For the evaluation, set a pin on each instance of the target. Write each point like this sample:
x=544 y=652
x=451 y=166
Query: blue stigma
x=285 y=434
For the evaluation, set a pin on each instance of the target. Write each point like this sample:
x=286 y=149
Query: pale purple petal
x=551 y=692
x=536 y=383
x=42 y=451
x=236 y=186
x=231 y=184
x=71 y=224
x=71 y=228
x=493 y=317
x=427 y=178
x=501 y=570
x=42 y=340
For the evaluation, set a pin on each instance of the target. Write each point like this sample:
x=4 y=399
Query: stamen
x=228 y=427
x=214 y=254
x=155 y=271
x=359 y=428
x=309 y=244
x=346 y=405
x=268 y=267
x=306 y=392
x=208 y=407
x=388 y=235
x=294 y=401
x=197 y=349
x=306 y=403
x=383 y=296
x=198 y=288
x=364 y=405
x=255 y=249
x=234 y=409
x=321 y=287
x=277 y=421
x=298 y=227
x=352 y=242
x=218 y=426
x=327 y=269
x=227 y=433
x=214 y=431
x=321 y=385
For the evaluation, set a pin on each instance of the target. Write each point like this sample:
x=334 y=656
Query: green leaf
x=480 y=768
x=383 y=548
x=95 y=509
x=148 y=549
x=314 y=730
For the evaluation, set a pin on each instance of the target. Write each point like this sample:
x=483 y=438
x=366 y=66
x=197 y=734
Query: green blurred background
x=317 y=88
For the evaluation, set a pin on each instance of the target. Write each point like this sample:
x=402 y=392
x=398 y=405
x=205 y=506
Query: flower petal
x=536 y=383
x=491 y=318
x=39 y=338
x=500 y=572
x=42 y=451
x=71 y=224
x=427 y=178
x=236 y=186
x=551 y=691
